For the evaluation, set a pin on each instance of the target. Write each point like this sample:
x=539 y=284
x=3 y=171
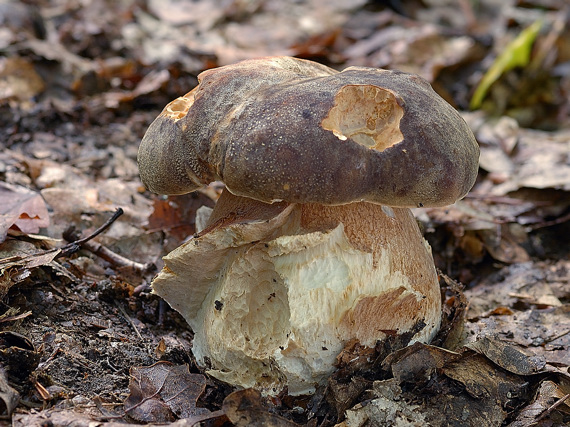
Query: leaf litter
x=79 y=84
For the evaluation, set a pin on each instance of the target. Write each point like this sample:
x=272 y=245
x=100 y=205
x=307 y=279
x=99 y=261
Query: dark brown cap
x=282 y=128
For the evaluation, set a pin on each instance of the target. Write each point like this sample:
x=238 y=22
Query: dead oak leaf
x=509 y=357
x=163 y=392
x=9 y=397
x=22 y=208
x=244 y=408
x=445 y=385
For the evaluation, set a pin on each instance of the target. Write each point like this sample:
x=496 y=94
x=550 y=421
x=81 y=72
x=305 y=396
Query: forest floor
x=82 y=338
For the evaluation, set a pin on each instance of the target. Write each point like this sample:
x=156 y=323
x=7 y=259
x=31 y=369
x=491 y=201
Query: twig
x=75 y=245
x=100 y=250
x=556 y=221
x=555 y=337
x=116 y=259
x=126 y=316
x=552 y=408
x=16 y=317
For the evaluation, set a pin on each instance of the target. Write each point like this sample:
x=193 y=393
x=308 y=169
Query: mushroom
x=312 y=243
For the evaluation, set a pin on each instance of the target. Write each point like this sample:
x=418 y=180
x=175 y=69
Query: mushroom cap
x=281 y=128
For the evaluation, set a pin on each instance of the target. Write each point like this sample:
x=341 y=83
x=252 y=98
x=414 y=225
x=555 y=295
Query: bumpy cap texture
x=281 y=128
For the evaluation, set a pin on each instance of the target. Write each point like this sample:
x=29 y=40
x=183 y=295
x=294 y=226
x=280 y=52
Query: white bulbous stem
x=274 y=292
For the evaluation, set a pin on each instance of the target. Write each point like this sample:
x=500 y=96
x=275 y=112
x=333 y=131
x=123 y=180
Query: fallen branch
x=100 y=250
x=75 y=243
x=548 y=411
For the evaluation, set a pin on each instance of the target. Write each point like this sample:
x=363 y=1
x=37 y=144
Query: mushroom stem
x=274 y=291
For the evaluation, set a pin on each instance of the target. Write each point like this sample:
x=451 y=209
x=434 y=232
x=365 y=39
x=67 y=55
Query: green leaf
x=516 y=54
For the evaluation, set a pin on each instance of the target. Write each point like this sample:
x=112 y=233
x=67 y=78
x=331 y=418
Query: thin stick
x=126 y=316
x=100 y=250
x=545 y=224
x=75 y=245
x=116 y=259
x=552 y=408
x=16 y=317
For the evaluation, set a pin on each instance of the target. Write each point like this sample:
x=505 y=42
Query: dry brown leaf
x=9 y=398
x=21 y=208
x=523 y=283
x=453 y=313
x=442 y=386
x=421 y=50
x=418 y=362
x=519 y=304
x=544 y=332
x=549 y=394
x=19 y=81
x=523 y=157
x=509 y=357
x=244 y=409
x=17 y=355
x=163 y=392
x=175 y=214
x=503 y=246
x=497 y=141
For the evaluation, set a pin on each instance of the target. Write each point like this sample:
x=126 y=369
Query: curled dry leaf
x=244 y=408
x=454 y=310
x=550 y=397
x=508 y=356
x=433 y=386
x=9 y=398
x=19 y=81
x=17 y=354
x=163 y=392
x=21 y=208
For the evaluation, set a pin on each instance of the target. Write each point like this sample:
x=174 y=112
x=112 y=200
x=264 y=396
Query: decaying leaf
x=433 y=386
x=545 y=331
x=418 y=362
x=550 y=398
x=520 y=303
x=453 y=314
x=244 y=409
x=176 y=214
x=520 y=284
x=163 y=392
x=387 y=408
x=17 y=354
x=22 y=208
x=18 y=259
x=508 y=357
x=19 y=81
x=9 y=398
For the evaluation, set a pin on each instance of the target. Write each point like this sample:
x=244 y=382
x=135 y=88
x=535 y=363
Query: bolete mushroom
x=312 y=242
